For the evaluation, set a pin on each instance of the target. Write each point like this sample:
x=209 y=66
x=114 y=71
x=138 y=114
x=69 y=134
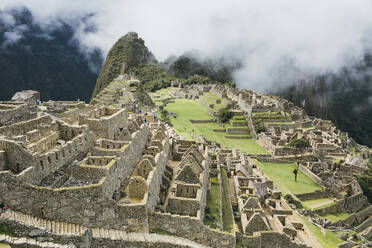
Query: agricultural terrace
x=190 y=109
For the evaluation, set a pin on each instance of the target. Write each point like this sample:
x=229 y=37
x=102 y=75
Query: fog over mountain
x=314 y=53
x=275 y=41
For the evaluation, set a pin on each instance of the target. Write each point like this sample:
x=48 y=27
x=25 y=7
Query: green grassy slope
x=283 y=177
x=191 y=109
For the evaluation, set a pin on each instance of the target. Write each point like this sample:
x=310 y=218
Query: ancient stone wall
x=16 y=113
x=161 y=160
x=184 y=206
x=237 y=130
x=310 y=174
x=91 y=205
x=339 y=206
x=190 y=228
x=201 y=121
x=72 y=116
x=18 y=158
x=356 y=202
x=283 y=126
x=21 y=128
x=68 y=235
x=311 y=195
x=108 y=127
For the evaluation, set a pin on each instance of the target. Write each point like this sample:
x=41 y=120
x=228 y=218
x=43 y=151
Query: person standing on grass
x=295 y=171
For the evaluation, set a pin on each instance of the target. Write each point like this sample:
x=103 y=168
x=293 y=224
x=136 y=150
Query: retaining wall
x=237 y=130
x=310 y=174
x=268 y=239
x=312 y=195
x=190 y=228
x=201 y=121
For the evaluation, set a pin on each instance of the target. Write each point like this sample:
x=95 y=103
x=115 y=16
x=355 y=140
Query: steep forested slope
x=345 y=98
x=48 y=61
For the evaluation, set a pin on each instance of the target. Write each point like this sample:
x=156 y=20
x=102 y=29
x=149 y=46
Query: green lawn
x=190 y=109
x=334 y=217
x=317 y=203
x=4 y=245
x=162 y=92
x=227 y=214
x=283 y=177
x=212 y=210
x=327 y=240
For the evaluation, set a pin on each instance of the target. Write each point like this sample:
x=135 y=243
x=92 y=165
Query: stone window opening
x=17 y=168
x=56 y=156
x=42 y=164
x=49 y=160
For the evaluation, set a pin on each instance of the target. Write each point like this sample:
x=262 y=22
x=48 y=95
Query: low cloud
x=277 y=41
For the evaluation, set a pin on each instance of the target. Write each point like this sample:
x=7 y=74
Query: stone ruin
x=102 y=175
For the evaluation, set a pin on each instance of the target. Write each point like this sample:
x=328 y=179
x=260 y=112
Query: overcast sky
x=273 y=38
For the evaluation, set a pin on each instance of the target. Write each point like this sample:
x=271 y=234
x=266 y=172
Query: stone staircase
x=109 y=96
x=54 y=227
x=13 y=241
x=74 y=230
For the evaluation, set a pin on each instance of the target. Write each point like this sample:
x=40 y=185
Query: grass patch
x=212 y=210
x=213 y=179
x=316 y=202
x=328 y=239
x=308 y=128
x=283 y=177
x=190 y=109
x=2 y=245
x=4 y=230
x=227 y=214
x=326 y=205
x=212 y=96
x=334 y=217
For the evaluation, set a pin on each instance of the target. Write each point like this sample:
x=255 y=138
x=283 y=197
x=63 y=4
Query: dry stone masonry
x=108 y=174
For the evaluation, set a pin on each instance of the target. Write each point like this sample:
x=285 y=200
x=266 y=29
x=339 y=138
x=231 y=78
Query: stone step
x=64 y=228
x=30 y=242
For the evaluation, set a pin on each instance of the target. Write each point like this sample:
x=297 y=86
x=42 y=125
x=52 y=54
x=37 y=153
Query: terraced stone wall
x=91 y=205
x=190 y=228
x=107 y=127
x=16 y=113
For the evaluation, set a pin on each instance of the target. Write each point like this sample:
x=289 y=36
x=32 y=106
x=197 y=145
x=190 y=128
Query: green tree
x=299 y=143
x=224 y=114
